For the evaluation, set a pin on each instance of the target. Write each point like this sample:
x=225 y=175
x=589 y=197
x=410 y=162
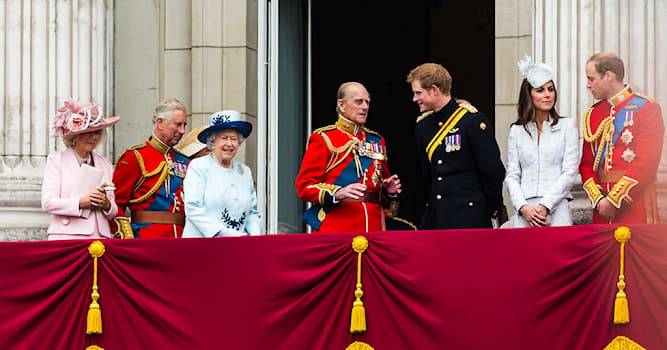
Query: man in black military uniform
x=458 y=155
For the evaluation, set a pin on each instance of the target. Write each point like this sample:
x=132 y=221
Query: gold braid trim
x=604 y=133
x=338 y=154
x=155 y=188
x=162 y=167
x=124 y=228
x=620 y=190
x=593 y=192
x=414 y=227
x=324 y=189
x=142 y=166
x=621 y=310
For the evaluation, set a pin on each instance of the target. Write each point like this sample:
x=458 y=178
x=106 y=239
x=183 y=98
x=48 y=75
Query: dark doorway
x=377 y=45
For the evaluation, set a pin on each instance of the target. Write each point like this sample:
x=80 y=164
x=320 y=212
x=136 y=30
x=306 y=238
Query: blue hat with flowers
x=222 y=120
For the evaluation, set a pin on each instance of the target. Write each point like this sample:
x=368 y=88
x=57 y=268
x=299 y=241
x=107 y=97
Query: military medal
x=629 y=119
x=628 y=155
x=375 y=178
x=448 y=144
x=626 y=137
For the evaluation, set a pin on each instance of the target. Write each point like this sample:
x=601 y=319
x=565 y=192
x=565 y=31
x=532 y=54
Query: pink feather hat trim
x=76 y=117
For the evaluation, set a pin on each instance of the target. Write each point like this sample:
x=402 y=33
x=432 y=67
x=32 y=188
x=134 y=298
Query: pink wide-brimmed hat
x=76 y=117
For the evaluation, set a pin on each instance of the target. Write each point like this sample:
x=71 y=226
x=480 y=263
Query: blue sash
x=634 y=105
x=347 y=176
x=164 y=200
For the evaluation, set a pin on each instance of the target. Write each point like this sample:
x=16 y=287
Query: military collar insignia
x=347 y=125
x=623 y=95
x=160 y=146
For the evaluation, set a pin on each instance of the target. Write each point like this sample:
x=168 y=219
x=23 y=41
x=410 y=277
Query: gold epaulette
x=324 y=128
x=369 y=131
x=129 y=149
x=423 y=115
x=645 y=97
x=468 y=107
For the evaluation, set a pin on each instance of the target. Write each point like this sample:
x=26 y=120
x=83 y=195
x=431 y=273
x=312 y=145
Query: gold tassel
x=621 y=309
x=358 y=322
x=94 y=320
x=94 y=347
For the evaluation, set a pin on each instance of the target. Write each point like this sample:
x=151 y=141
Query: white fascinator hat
x=536 y=74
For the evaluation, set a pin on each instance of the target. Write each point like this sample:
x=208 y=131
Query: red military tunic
x=336 y=156
x=622 y=147
x=149 y=180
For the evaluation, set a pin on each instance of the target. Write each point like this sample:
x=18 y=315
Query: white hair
x=211 y=137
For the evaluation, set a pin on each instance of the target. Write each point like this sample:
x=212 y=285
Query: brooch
x=555 y=128
x=626 y=137
x=628 y=155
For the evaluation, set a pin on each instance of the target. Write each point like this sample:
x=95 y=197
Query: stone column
x=566 y=33
x=514 y=39
x=224 y=64
x=49 y=51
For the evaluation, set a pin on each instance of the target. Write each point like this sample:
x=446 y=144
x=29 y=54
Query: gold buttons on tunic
x=438 y=197
x=470 y=204
x=440 y=124
x=439 y=178
x=439 y=161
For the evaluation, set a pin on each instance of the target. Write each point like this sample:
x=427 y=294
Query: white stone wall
x=202 y=52
x=565 y=34
x=49 y=51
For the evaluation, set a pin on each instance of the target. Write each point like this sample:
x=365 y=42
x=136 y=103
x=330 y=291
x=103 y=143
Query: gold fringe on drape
x=358 y=322
x=621 y=309
x=94 y=320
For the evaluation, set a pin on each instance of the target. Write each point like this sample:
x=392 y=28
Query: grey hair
x=342 y=92
x=211 y=137
x=165 y=109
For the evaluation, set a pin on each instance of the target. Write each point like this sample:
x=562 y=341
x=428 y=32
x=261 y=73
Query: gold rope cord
x=338 y=154
x=358 y=321
x=604 y=132
x=94 y=324
x=621 y=309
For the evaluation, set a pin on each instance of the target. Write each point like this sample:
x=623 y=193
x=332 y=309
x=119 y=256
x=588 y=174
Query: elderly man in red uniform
x=623 y=135
x=149 y=178
x=344 y=172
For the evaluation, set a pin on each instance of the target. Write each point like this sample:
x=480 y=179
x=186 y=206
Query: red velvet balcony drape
x=548 y=288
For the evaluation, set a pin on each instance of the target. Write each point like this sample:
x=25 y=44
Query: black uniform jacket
x=464 y=174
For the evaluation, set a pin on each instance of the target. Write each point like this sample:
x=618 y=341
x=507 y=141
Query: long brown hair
x=526 y=110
